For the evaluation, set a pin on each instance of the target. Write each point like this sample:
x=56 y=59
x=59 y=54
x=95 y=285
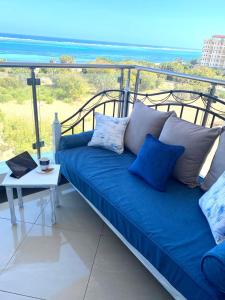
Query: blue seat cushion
x=155 y=162
x=168 y=228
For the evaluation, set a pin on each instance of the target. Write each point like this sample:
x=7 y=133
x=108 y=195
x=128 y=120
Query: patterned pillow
x=212 y=204
x=109 y=133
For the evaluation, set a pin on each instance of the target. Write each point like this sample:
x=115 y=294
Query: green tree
x=67 y=59
x=71 y=87
x=101 y=81
x=149 y=81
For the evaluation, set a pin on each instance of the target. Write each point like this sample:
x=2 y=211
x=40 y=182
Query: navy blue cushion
x=169 y=228
x=213 y=266
x=155 y=162
x=75 y=140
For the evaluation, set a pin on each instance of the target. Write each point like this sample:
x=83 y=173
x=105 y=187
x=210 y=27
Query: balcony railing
x=116 y=97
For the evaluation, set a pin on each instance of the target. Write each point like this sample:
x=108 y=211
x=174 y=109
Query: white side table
x=32 y=179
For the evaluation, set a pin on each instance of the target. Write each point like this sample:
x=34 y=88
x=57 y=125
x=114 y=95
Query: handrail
x=182 y=75
x=111 y=66
x=64 y=66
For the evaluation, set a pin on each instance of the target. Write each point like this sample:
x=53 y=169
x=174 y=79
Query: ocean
x=21 y=48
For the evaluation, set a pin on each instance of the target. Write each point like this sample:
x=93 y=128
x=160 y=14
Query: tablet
x=21 y=164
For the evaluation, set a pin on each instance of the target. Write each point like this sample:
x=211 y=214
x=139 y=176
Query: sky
x=174 y=23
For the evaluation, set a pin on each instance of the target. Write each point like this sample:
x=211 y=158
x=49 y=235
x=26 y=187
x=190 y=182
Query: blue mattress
x=168 y=228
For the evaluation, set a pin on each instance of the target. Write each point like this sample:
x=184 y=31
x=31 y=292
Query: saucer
x=48 y=171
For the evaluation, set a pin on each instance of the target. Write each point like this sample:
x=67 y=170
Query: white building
x=213 y=52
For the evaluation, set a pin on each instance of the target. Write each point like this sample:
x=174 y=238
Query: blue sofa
x=167 y=229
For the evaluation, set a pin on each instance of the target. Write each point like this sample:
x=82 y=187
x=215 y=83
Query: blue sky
x=164 y=22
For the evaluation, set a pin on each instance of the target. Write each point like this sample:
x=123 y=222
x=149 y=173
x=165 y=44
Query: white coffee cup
x=44 y=163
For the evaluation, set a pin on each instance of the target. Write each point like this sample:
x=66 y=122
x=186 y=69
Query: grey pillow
x=197 y=141
x=143 y=120
x=218 y=165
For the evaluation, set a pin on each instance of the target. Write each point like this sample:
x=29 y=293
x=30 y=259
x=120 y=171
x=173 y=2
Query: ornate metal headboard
x=195 y=107
x=108 y=102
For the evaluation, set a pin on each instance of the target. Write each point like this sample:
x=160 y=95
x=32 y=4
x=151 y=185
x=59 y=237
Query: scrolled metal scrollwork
x=102 y=98
x=185 y=99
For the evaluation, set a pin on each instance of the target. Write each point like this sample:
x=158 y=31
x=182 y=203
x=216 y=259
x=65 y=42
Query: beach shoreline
x=15 y=49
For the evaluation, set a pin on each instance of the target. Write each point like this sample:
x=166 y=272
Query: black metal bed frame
x=206 y=110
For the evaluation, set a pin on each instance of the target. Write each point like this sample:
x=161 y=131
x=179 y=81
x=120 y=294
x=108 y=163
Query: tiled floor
x=79 y=258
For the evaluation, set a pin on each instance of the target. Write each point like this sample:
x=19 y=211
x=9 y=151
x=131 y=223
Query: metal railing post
x=209 y=103
x=121 y=78
x=137 y=82
x=33 y=81
x=126 y=96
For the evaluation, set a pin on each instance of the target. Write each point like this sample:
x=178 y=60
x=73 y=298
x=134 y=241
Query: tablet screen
x=21 y=164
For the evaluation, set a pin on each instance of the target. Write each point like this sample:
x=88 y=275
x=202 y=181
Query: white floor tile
x=54 y=262
x=51 y=264
x=117 y=275
x=33 y=206
x=10 y=296
x=10 y=238
x=73 y=214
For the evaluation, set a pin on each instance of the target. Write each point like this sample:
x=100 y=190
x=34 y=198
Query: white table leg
x=20 y=197
x=57 y=202
x=53 y=200
x=9 y=193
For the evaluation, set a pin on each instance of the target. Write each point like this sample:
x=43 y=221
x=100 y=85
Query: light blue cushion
x=213 y=267
x=212 y=204
x=109 y=133
x=155 y=162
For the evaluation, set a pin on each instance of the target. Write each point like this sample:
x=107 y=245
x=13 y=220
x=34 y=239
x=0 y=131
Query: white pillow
x=212 y=204
x=109 y=133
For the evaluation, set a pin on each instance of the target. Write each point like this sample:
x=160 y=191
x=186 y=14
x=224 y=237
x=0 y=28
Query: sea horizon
x=31 y=48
